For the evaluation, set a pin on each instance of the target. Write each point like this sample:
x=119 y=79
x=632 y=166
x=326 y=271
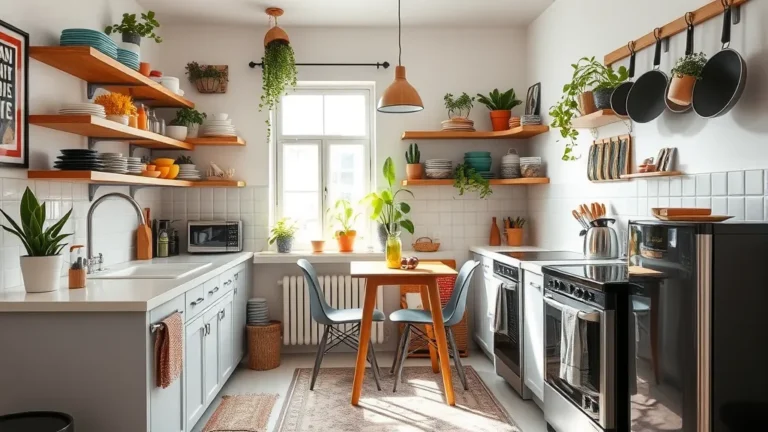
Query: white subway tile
x=642 y=207
x=719 y=184
x=470 y=218
x=42 y=190
x=433 y=206
x=753 y=183
x=675 y=186
x=765 y=209
x=689 y=186
x=663 y=187
x=675 y=202
x=457 y=218
x=703 y=185
x=653 y=188
x=642 y=188
x=689 y=202
x=457 y=231
x=446 y=219
x=719 y=205
x=736 y=208
x=754 y=208
x=663 y=201
x=66 y=191
x=444 y=205
x=704 y=202
x=736 y=183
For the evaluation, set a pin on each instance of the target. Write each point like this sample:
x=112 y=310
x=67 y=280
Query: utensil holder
x=514 y=236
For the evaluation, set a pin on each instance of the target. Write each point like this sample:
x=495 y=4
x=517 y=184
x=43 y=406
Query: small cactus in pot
x=414 y=170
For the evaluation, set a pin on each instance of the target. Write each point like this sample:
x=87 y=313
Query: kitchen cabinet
x=211 y=354
x=533 y=311
x=242 y=292
x=194 y=367
x=483 y=288
x=225 y=339
x=166 y=404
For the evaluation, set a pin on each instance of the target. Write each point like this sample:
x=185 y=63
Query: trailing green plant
x=130 y=25
x=385 y=208
x=196 y=71
x=188 y=116
x=184 y=160
x=588 y=74
x=343 y=215
x=467 y=179
x=36 y=240
x=278 y=73
x=284 y=229
x=413 y=155
x=460 y=106
x=690 y=65
x=496 y=101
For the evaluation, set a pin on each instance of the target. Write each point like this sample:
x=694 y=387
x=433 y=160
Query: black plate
x=78 y=151
x=78 y=165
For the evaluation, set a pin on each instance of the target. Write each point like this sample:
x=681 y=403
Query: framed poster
x=14 y=97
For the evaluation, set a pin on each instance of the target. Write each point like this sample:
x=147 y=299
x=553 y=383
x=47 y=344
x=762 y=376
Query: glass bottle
x=152 y=124
x=141 y=121
x=394 y=250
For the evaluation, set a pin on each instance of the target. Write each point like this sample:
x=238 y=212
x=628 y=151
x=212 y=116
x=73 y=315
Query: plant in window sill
x=466 y=179
x=283 y=233
x=390 y=213
x=344 y=216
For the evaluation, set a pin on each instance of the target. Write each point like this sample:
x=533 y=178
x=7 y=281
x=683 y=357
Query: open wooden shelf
x=492 y=182
x=91 y=65
x=652 y=174
x=521 y=132
x=97 y=127
x=98 y=177
x=219 y=183
x=217 y=141
x=610 y=181
x=597 y=119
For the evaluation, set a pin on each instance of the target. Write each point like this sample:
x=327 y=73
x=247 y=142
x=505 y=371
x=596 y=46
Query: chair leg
x=403 y=355
x=374 y=364
x=457 y=358
x=400 y=345
x=319 y=357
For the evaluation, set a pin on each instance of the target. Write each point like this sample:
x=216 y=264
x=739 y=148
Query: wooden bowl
x=153 y=174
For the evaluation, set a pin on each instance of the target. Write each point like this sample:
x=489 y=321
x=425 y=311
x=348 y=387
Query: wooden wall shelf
x=91 y=65
x=492 y=182
x=653 y=174
x=597 y=119
x=219 y=183
x=98 y=177
x=521 y=132
x=217 y=141
x=97 y=127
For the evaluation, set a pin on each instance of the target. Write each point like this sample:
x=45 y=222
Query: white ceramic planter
x=176 y=132
x=193 y=130
x=122 y=119
x=41 y=273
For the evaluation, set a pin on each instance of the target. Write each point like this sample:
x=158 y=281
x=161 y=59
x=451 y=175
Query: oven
x=214 y=236
x=508 y=327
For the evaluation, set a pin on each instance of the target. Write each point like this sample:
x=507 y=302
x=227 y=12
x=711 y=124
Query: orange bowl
x=150 y=167
x=163 y=171
x=174 y=171
x=153 y=174
x=164 y=162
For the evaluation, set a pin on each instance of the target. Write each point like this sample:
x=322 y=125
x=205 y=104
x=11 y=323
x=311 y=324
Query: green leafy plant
x=36 y=240
x=413 y=155
x=466 y=179
x=384 y=205
x=518 y=222
x=279 y=71
x=130 y=25
x=184 y=160
x=284 y=229
x=188 y=116
x=496 y=101
x=690 y=65
x=588 y=74
x=196 y=71
x=460 y=106
x=343 y=215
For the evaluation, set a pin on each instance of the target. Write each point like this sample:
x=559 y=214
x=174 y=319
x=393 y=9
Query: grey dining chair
x=453 y=312
x=329 y=317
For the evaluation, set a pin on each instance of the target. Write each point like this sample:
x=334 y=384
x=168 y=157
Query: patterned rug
x=417 y=406
x=242 y=413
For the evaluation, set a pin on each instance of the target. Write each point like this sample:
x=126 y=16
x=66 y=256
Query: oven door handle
x=585 y=316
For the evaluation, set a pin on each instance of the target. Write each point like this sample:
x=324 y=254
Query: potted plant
x=117 y=106
x=185 y=161
x=391 y=214
x=458 y=112
x=206 y=78
x=191 y=118
x=278 y=73
x=133 y=30
x=283 y=233
x=501 y=105
x=466 y=179
x=686 y=72
x=344 y=215
x=41 y=266
x=514 y=231
x=413 y=168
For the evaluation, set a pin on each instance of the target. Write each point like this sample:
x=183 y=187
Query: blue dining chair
x=453 y=312
x=329 y=317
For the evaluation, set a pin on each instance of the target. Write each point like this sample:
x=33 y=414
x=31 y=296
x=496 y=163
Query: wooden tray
x=680 y=211
x=693 y=218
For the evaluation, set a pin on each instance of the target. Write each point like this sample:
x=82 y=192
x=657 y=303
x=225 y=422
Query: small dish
x=149 y=167
x=220 y=116
x=164 y=162
x=163 y=171
x=153 y=174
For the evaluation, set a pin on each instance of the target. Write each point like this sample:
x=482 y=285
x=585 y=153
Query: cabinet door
x=166 y=411
x=194 y=362
x=239 y=307
x=226 y=343
x=534 y=333
x=211 y=354
x=481 y=322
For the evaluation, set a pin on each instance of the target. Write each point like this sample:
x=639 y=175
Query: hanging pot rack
x=705 y=13
x=384 y=65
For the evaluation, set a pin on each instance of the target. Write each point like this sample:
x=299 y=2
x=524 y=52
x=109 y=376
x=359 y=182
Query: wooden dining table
x=425 y=275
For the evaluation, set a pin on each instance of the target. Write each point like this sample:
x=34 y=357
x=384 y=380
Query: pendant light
x=400 y=97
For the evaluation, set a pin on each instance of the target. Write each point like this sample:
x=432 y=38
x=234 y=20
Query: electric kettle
x=600 y=240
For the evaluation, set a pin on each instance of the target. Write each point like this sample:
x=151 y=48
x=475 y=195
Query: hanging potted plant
x=686 y=72
x=390 y=213
x=191 y=118
x=278 y=66
x=207 y=78
x=458 y=112
x=501 y=105
x=41 y=266
x=283 y=234
x=343 y=215
x=133 y=30
x=413 y=168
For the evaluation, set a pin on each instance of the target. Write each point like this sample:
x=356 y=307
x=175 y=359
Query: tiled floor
x=525 y=413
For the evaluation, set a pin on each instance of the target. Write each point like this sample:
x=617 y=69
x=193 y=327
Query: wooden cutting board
x=143 y=243
x=642 y=271
x=693 y=218
x=682 y=211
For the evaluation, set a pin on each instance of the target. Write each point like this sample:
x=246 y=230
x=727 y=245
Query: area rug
x=242 y=413
x=416 y=406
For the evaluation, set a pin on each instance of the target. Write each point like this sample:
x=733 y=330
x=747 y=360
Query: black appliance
x=214 y=236
x=545 y=256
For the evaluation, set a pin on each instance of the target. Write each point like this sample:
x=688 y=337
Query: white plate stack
x=134 y=165
x=439 y=168
x=218 y=125
x=258 y=312
x=188 y=172
x=114 y=163
x=83 y=109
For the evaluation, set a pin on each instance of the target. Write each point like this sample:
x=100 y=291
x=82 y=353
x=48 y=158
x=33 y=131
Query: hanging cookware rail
x=705 y=13
x=723 y=77
x=645 y=101
x=672 y=105
x=384 y=65
x=619 y=95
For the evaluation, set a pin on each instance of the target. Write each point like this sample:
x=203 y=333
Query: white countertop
x=338 y=257
x=120 y=295
x=534 y=266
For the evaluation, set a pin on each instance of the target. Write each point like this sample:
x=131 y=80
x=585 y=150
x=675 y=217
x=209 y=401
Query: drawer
x=533 y=280
x=195 y=300
x=163 y=311
x=227 y=279
x=213 y=290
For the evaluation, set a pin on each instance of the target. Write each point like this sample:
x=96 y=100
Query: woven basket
x=425 y=244
x=208 y=85
x=264 y=343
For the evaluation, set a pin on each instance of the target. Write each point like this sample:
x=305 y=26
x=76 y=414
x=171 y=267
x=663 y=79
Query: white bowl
x=220 y=116
x=122 y=119
x=171 y=83
x=176 y=132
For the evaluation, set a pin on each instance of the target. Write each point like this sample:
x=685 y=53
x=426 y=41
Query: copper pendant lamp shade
x=400 y=97
x=275 y=33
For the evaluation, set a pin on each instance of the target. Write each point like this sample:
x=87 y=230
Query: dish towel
x=169 y=350
x=499 y=311
x=573 y=347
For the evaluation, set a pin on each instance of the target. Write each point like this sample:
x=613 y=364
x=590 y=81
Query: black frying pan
x=619 y=95
x=675 y=108
x=723 y=78
x=646 y=98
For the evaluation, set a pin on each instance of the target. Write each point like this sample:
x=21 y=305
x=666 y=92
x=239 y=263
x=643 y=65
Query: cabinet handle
x=197 y=302
x=535 y=285
x=205 y=330
x=228 y=282
x=213 y=291
x=237 y=276
x=235 y=290
x=221 y=315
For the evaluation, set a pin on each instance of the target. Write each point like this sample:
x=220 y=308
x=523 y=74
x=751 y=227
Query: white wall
x=572 y=29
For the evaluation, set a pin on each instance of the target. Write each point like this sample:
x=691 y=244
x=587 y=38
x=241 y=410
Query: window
x=323 y=137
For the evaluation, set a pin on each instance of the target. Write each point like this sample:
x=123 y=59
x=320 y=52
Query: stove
x=545 y=256
x=596 y=276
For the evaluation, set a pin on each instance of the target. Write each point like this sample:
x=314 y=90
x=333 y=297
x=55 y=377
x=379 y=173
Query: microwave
x=214 y=236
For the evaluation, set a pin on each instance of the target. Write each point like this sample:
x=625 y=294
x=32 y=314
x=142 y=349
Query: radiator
x=341 y=292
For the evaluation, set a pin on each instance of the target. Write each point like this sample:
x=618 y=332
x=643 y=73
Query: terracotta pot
x=681 y=89
x=586 y=102
x=414 y=171
x=514 y=236
x=346 y=241
x=500 y=119
x=144 y=68
x=317 y=246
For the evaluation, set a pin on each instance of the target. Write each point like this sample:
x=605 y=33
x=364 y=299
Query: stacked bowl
x=439 y=168
x=91 y=38
x=218 y=125
x=481 y=162
x=258 y=312
x=128 y=58
x=188 y=172
x=510 y=165
x=114 y=163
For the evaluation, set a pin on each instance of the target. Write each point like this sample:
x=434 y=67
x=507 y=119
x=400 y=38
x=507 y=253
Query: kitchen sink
x=151 y=271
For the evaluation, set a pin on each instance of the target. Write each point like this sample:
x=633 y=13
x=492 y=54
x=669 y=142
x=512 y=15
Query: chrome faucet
x=91 y=261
